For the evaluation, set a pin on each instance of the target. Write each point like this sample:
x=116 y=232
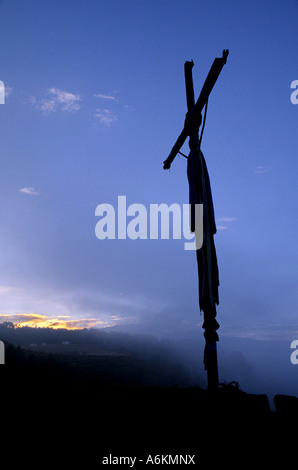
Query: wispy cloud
x=58 y=100
x=105 y=97
x=47 y=106
x=106 y=117
x=222 y=223
x=65 y=101
x=226 y=219
x=30 y=190
x=129 y=107
x=262 y=169
x=8 y=91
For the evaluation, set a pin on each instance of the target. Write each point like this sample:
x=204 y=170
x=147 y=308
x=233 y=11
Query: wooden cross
x=193 y=116
x=201 y=191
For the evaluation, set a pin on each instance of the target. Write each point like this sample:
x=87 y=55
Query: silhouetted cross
x=200 y=192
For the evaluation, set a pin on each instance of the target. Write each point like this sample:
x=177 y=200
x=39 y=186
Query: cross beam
x=193 y=116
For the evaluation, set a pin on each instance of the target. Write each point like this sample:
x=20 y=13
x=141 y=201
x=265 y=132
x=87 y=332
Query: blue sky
x=95 y=99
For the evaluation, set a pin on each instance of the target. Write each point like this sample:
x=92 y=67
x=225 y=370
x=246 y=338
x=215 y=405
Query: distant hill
x=104 y=356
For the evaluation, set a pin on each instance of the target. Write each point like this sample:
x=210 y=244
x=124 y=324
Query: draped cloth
x=208 y=275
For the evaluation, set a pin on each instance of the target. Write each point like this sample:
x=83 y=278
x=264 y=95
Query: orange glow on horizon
x=35 y=320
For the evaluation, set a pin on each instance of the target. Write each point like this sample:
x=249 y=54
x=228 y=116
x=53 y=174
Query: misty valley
x=100 y=392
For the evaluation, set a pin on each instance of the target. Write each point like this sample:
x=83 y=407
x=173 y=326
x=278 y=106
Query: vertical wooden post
x=211 y=366
x=210 y=325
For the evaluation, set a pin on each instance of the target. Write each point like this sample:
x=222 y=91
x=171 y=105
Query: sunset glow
x=35 y=320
